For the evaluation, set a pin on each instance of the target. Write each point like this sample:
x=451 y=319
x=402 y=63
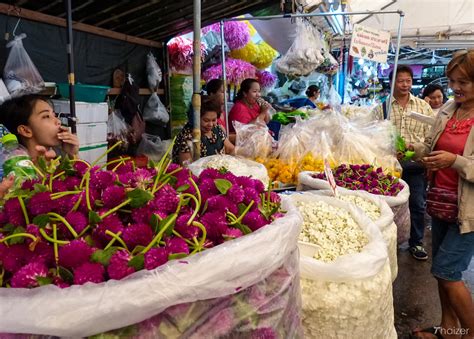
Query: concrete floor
x=415 y=291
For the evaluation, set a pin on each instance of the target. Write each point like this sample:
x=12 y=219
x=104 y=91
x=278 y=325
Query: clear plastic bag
x=118 y=130
x=153 y=72
x=20 y=74
x=152 y=146
x=252 y=140
x=155 y=112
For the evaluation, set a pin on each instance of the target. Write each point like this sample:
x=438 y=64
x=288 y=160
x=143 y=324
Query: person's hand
x=42 y=151
x=437 y=160
x=70 y=142
x=6 y=184
x=427 y=99
x=400 y=155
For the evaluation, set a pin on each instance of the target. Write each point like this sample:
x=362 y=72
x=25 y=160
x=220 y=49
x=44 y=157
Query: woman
x=249 y=107
x=213 y=138
x=312 y=94
x=449 y=153
x=434 y=95
x=215 y=91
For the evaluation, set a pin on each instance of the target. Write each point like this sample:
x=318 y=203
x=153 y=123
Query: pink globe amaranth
x=236 y=194
x=113 y=196
x=58 y=186
x=215 y=224
x=137 y=235
x=232 y=233
x=111 y=223
x=43 y=252
x=172 y=167
x=166 y=203
x=14 y=212
x=65 y=204
x=251 y=195
x=77 y=220
x=142 y=178
x=255 y=220
x=231 y=178
x=182 y=228
x=29 y=184
x=222 y=203
x=89 y=272
x=126 y=178
x=124 y=168
x=208 y=188
x=176 y=245
x=16 y=257
x=26 y=277
x=3 y=218
x=102 y=179
x=60 y=282
x=166 y=189
x=156 y=257
x=118 y=266
x=72 y=183
x=81 y=168
x=263 y=333
x=74 y=254
x=209 y=173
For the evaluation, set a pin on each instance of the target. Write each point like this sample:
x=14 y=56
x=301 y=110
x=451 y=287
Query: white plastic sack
x=153 y=71
x=350 y=297
x=398 y=204
x=384 y=223
x=152 y=146
x=252 y=140
x=20 y=74
x=154 y=111
x=118 y=130
x=236 y=165
x=89 y=309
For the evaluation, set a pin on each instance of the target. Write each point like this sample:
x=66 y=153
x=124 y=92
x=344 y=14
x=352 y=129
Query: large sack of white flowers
x=247 y=287
x=398 y=203
x=346 y=286
x=380 y=213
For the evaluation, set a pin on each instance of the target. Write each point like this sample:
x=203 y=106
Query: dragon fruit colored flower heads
x=78 y=224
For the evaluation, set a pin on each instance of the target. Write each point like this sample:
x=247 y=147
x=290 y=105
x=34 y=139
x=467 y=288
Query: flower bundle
x=79 y=223
x=247 y=53
x=236 y=70
x=181 y=53
x=266 y=79
x=266 y=55
x=236 y=33
x=364 y=177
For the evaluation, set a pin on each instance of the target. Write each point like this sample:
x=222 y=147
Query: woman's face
x=253 y=94
x=208 y=121
x=219 y=95
x=44 y=125
x=436 y=99
x=462 y=87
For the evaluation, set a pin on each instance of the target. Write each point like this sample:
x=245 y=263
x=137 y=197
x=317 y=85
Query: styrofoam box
x=91 y=133
x=91 y=153
x=86 y=112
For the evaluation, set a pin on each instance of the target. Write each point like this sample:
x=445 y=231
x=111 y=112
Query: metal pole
x=224 y=76
x=395 y=64
x=196 y=100
x=70 y=65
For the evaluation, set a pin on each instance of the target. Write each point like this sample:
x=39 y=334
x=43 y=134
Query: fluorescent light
x=445 y=44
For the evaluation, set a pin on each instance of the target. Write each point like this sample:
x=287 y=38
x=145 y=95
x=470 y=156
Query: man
x=402 y=103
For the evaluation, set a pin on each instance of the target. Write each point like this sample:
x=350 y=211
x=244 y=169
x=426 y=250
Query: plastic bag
x=153 y=71
x=252 y=140
x=152 y=146
x=20 y=74
x=211 y=277
x=118 y=130
x=155 y=112
x=336 y=294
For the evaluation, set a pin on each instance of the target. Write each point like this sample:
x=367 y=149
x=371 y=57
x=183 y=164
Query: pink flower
x=166 y=203
x=111 y=223
x=125 y=168
x=142 y=178
x=74 y=254
x=182 y=228
x=255 y=220
x=72 y=183
x=43 y=252
x=155 y=257
x=275 y=198
x=59 y=186
x=16 y=257
x=60 y=282
x=26 y=277
x=236 y=194
x=251 y=195
x=222 y=203
x=40 y=203
x=126 y=178
x=77 y=220
x=137 y=234
x=102 y=179
x=215 y=224
x=232 y=233
x=172 y=167
x=176 y=245
x=264 y=333
x=118 y=266
x=89 y=272
x=3 y=218
x=81 y=168
x=65 y=204
x=112 y=196
x=29 y=184
x=230 y=177
x=208 y=188
x=209 y=173
x=14 y=213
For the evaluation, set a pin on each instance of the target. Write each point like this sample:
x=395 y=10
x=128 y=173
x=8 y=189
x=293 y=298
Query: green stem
x=198 y=192
x=167 y=180
x=84 y=231
x=65 y=222
x=189 y=242
x=196 y=209
x=50 y=185
x=239 y=219
x=157 y=237
x=47 y=237
x=59 y=195
x=105 y=154
x=17 y=235
x=23 y=209
x=160 y=164
x=120 y=161
x=78 y=202
x=55 y=247
x=203 y=238
x=37 y=170
x=58 y=175
x=88 y=199
x=115 y=209
x=115 y=237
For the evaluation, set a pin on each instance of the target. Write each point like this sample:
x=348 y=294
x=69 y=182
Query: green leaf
x=8 y=228
x=44 y=280
x=242 y=208
x=222 y=185
x=66 y=275
x=155 y=223
x=169 y=230
x=42 y=164
x=173 y=181
x=182 y=188
x=243 y=228
x=17 y=240
x=103 y=256
x=41 y=220
x=138 y=249
x=88 y=239
x=94 y=218
x=139 y=197
x=137 y=262
x=40 y=188
x=177 y=256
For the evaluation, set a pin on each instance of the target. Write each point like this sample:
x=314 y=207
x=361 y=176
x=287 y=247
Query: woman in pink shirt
x=249 y=107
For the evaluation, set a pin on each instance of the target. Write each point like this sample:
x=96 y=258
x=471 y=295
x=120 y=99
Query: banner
x=369 y=43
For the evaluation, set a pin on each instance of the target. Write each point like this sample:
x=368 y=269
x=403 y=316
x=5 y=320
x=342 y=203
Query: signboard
x=369 y=43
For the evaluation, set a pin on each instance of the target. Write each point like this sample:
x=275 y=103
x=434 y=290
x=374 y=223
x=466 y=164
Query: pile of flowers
x=181 y=53
x=236 y=70
x=370 y=209
x=364 y=177
x=77 y=222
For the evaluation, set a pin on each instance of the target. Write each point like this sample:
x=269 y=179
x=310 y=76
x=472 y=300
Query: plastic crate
x=87 y=93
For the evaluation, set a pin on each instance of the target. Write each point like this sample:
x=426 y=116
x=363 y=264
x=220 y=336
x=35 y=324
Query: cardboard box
x=85 y=112
x=90 y=153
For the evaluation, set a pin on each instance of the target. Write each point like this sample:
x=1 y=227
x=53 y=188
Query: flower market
x=237 y=169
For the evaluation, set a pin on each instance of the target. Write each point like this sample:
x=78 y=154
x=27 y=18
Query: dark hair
x=402 y=69
x=210 y=105
x=312 y=90
x=244 y=88
x=431 y=88
x=464 y=60
x=17 y=111
x=214 y=85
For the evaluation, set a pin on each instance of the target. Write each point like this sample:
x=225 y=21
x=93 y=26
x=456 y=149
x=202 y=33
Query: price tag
x=330 y=178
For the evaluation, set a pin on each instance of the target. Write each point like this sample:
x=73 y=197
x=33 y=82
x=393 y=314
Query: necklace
x=457 y=119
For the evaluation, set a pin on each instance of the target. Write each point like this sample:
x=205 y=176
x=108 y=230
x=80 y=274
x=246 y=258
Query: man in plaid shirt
x=402 y=103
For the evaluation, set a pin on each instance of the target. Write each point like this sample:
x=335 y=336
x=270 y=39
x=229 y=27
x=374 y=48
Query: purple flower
x=137 y=234
x=3 y=218
x=230 y=177
x=111 y=223
x=275 y=198
x=125 y=168
x=209 y=173
x=43 y=252
x=59 y=186
x=33 y=230
x=74 y=254
x=15 y=257
x=102 y=179
x=72 y=183
x=126 y=178
x=60 y=282
x=222 y=203
x=166 y=203
x=176 y=245
x=236 y=194
x=81 y=168
x=232 y=233
x=89 y=272
x=251 y=195
x=26 y=277
x=77 y=220
x=155 y=257
x=255 y=220
x=29 y=184
x=182 y=228
x=208 y=188
x=65 y=204
x=112 y=196
x=14 y=213
x=172 y=167
x=118 y=266
x=215 y=224
x=264 y=333
x=142 y=178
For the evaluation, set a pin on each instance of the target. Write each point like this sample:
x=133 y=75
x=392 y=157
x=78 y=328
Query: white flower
x=370 y=209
